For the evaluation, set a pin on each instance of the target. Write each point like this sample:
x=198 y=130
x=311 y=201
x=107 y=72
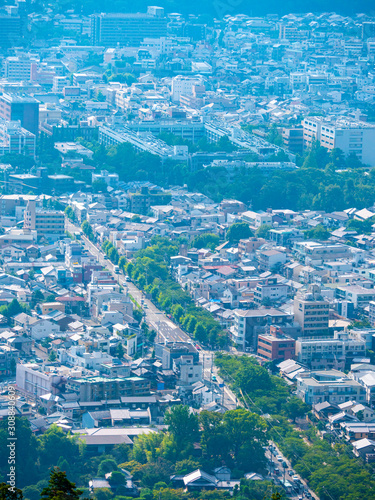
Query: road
x=167 y=330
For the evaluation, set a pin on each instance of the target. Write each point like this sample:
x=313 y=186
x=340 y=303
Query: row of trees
x=111 y=251
x=331 y=469
x=150 y=272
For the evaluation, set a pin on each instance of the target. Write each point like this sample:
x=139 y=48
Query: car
x=214 y=379
x=145 y=306
x=291 y=473
x=308 y=494
x=197 y=347
x=279 y=458
x=296 y=479
x=276 y=471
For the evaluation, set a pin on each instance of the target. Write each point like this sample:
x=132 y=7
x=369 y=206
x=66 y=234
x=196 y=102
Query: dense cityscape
x=187 y=253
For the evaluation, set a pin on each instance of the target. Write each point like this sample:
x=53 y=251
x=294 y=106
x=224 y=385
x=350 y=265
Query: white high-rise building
x=183 y=85
x=351 y=136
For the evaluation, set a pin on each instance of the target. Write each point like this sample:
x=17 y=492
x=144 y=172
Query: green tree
x=263 y=231
x=105 y=466
x=8 y=492
x=239 y=231
x=183 y=425
x=206 y=240
x=60 y=488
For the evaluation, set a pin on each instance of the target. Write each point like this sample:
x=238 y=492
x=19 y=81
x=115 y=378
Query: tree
x=120 y=350
x=183 y=425
x=239 y=231
x=122 y=262
x=60 y=488
x=263 y=231
x=105 y=466
x=200 y=332
x=55 y=444
x=117 y=477
x=8 y=492
x=206 y=240
x=69 y=212
x=318 y=233
x=177 y=312
x=296 y=408
x=246 y=435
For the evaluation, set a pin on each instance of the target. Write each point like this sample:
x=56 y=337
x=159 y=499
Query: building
x=10 y=30
x=32 y=379
x=8 y=359
x=275 y=345
x=183 y=85
x=328 y=385
x=335 y=352
x=315 y=254
x=18 y=68
x=352 y=137
x=22 y=184
x=49 y=224
x=112 y=30
x=293 y=139
x=171 y=351
x=311 y=312
x=14 y=139
x=248 y=324
x=270 y=291
x=15 y=107
x=105 y=388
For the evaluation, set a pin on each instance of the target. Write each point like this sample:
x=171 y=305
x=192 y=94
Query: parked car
x=279 y=458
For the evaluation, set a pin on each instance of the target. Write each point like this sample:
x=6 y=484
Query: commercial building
x=14 y=139
x=311 y=312
x=352 y=137
x=275 y=345
x=48 y=223
x=329 y=385
x=14 y=107
x=111 y=30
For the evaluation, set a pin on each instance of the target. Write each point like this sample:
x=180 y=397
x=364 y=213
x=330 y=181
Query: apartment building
x=105 y=388
x=112 y=30
x=311 y=312
x=275 y=345
x=320 y=353
x=270 y=291
x=183 y=85
x=329 y=385
x=18 y=68
x=315 y=254
x=32 y=379
x=248 y=324
x=49 y=224
x=352 y=137
x=14 y=139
